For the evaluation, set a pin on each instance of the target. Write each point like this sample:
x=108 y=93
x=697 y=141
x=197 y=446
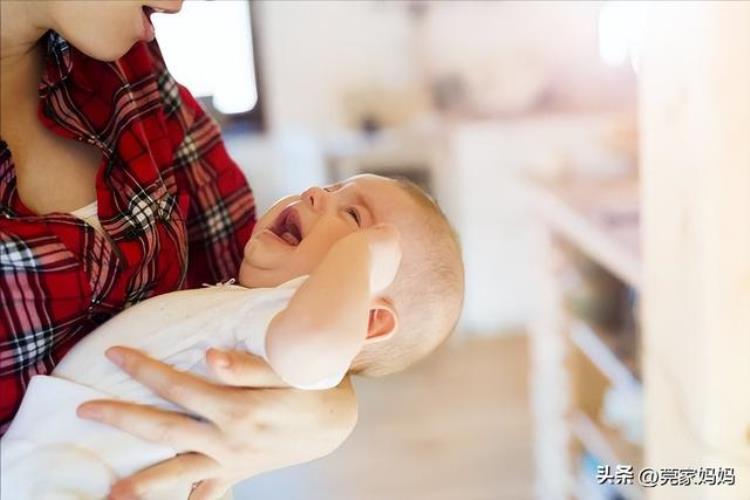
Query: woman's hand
x=251 y=425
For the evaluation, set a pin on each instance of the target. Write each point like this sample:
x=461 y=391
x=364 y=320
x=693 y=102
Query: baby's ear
x=383 y=321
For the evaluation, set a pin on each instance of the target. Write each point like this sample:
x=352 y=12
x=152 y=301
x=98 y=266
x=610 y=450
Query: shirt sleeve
x=221 y=208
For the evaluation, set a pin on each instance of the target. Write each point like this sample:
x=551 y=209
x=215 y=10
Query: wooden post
x=695 y=149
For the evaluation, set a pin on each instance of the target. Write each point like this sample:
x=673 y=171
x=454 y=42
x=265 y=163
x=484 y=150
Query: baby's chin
x=245 y=275
x=251 y=276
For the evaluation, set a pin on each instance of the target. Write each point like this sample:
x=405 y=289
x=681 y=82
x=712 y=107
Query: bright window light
x=208 y=48
x=620 y=30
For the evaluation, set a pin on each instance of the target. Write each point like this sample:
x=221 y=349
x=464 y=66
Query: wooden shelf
x=599 y=217
x=598 y=220
x=600 y=350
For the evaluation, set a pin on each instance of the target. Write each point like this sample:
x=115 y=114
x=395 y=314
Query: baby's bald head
x=427 y=292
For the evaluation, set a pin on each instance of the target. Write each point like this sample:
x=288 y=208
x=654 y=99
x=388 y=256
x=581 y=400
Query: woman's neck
x=21 y=27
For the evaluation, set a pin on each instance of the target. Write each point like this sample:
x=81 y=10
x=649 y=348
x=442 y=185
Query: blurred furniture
x=479 y=168
x=585 y=364
x=692 y=273
x=390 y=152
x=695 y=124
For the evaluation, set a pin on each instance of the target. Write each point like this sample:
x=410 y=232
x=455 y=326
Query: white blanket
x=50 y=453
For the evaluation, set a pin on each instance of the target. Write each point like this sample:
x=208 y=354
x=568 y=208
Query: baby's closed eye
x=356 y=217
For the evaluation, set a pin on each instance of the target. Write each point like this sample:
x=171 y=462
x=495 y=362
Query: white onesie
x=50 y=453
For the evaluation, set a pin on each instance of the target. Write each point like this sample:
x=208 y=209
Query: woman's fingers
x=193 y=393
x=211 y=489
x=184 y=469
x=241 y=369
x=173 y=429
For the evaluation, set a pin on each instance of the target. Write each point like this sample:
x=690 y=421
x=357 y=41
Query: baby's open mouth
x=287 y=227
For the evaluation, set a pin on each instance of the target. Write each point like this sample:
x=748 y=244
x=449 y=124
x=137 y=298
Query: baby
x=364 y=276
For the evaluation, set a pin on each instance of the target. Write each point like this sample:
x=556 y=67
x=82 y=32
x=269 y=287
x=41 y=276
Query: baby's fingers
x=239 y=368
x=385 y=254
x=212 y=489
x=385 y=238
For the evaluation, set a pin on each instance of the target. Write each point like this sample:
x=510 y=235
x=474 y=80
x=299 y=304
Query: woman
x=119 y=188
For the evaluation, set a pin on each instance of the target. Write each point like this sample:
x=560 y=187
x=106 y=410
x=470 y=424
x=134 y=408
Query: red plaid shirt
x=176 y=209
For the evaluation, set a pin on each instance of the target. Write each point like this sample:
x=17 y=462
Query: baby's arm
x=326 y=322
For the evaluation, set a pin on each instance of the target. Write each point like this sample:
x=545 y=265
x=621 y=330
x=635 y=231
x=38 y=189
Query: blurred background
x=520 y=118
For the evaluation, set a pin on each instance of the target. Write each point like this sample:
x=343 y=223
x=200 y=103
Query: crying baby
x=363 y=276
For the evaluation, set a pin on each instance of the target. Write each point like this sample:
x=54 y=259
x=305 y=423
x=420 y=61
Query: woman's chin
x=107 y=52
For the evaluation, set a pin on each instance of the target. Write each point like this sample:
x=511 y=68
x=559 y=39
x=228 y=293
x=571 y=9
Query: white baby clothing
x=90 y=215
x=50 y=453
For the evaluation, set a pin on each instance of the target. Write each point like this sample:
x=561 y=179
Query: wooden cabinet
x=691 y=272
x=587 y=392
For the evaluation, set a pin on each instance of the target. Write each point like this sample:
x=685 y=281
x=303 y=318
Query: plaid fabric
x=168 y=196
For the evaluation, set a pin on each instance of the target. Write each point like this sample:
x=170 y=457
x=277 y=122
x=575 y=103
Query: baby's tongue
x=290 y=238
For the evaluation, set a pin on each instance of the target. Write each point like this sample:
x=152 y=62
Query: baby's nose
x=316 y=198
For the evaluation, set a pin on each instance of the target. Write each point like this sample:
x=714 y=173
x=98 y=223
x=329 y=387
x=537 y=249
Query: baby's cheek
x=245 y=276
x=247 y=252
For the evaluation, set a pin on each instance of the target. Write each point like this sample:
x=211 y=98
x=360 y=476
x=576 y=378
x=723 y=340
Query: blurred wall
x=314 y=52
x=509 y=53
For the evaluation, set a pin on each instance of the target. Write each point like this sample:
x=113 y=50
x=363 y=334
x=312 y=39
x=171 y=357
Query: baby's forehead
x=394 y=202
x=389 y=200
x=368 y=177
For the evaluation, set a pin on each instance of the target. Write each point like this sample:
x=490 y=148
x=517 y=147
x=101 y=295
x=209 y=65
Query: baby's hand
x=385 y=255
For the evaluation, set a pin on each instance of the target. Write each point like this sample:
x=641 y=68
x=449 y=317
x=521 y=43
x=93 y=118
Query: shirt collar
x=59 y=57
x=57 y=60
